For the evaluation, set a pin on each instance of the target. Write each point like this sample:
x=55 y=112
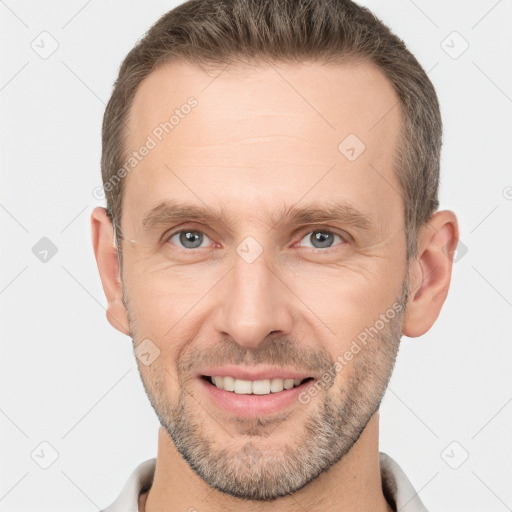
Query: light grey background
x=67 y=378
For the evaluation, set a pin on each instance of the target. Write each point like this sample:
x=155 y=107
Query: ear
x=430 y=272
x=105 y=252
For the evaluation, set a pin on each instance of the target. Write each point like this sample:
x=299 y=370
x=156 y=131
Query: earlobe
x=108 y=267
x=430 y=272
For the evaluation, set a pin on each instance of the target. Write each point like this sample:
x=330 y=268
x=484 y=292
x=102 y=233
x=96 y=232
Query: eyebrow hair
x=174 y=210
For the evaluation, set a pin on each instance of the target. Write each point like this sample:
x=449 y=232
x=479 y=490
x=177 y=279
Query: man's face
x=269 y=284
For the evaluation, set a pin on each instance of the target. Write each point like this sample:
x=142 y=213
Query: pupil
x=323 y=238
x=191 y=239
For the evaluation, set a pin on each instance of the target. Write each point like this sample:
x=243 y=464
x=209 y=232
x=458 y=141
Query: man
x=271 y=170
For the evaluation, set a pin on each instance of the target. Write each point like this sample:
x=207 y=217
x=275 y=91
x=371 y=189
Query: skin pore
x=261 y=144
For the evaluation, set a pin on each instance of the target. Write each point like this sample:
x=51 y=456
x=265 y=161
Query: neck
x=354 y=483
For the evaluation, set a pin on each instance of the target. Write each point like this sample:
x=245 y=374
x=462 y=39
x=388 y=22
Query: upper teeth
x=256 y=387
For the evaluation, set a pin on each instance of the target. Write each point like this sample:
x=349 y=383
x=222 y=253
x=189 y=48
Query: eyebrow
x=174 y=210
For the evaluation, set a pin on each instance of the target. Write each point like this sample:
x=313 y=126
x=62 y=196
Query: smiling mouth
x=254 y=387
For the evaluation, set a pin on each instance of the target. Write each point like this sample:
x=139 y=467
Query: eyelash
x=302 y=234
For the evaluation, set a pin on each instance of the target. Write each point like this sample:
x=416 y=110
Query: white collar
x=397 y=488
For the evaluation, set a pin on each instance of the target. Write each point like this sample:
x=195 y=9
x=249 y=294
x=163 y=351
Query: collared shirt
x=396 y=487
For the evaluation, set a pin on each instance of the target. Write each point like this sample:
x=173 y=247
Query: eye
x=188 y=239
x=321 y=239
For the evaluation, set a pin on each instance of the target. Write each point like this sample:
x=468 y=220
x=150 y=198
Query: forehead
x=258 y=130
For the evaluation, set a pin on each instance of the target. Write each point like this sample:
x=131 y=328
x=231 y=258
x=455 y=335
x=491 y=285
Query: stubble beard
x=250 y=469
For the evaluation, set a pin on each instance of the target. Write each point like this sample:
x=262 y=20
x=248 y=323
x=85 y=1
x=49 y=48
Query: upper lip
x=256 y=373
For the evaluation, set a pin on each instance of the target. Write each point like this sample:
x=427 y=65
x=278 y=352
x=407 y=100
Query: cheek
x=167 y=321
x=164 y=301
x=344 y=301
x=161 y=375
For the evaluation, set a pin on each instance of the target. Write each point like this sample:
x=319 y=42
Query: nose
x=254 y=303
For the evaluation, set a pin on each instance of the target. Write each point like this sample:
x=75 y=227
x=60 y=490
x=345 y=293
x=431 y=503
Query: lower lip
x=248 y=406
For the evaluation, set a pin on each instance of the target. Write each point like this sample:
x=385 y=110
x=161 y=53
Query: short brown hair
x=218 y=32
